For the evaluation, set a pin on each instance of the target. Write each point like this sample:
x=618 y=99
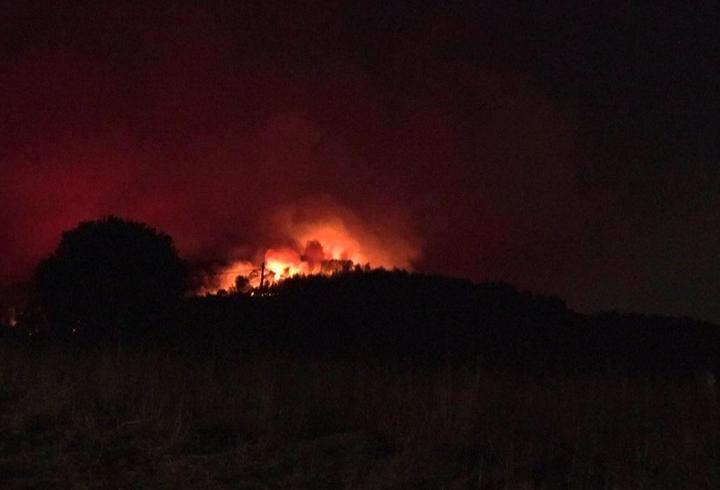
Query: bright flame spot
x=323 y=247
x=283 y=263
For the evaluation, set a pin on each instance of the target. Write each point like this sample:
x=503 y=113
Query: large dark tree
x=109 y=275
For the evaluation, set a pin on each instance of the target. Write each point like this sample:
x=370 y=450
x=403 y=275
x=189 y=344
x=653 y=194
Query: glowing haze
x=317 y=237
x=570 y=148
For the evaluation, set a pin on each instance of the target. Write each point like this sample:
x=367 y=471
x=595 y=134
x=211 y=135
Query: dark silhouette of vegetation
x=362 y=379
x=109 y=275
x=428 y=319
x=115 y=275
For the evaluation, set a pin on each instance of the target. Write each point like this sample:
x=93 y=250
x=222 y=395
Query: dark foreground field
x=133 y=418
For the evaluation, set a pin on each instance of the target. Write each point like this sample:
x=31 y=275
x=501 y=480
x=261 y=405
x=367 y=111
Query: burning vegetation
x=327 y=245
x=278 y=265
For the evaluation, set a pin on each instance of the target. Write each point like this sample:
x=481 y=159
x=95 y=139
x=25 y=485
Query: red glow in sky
x=318 y=236
x=485 y=141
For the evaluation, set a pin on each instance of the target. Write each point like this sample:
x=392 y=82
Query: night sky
x=571 y=150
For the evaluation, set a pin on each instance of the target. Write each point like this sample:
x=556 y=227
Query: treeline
x=432 y=319
x=421 y=318
x=119 y=281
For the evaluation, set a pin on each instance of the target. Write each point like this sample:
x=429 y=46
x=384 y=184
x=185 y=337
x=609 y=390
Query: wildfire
x=321 y=246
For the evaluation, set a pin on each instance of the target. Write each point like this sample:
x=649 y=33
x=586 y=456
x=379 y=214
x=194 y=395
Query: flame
x=283 y=263
x=325 y=245
x=226 y=278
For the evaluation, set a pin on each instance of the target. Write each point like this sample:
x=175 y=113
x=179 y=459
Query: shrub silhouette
x=429 y=319
x=109 y=275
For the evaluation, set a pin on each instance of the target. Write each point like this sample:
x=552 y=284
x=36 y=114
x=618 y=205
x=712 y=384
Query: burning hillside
x=315 y=240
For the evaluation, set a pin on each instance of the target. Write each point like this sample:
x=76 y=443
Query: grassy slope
x=132 y=419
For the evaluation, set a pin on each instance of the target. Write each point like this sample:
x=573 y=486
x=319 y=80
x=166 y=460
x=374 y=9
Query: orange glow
x=282 y=263
x=225 y=279
x=325 y=245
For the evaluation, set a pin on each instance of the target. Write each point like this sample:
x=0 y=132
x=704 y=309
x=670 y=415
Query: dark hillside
x=363 y=380
x=428 y=319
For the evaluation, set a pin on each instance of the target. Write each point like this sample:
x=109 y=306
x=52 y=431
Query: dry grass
x=135 y=419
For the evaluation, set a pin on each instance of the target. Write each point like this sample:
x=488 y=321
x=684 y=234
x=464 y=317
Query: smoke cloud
x=467 y=140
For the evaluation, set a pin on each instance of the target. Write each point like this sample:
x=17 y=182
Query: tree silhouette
x=109 y=275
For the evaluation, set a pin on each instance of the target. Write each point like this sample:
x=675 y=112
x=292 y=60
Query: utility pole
x=262 y=276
